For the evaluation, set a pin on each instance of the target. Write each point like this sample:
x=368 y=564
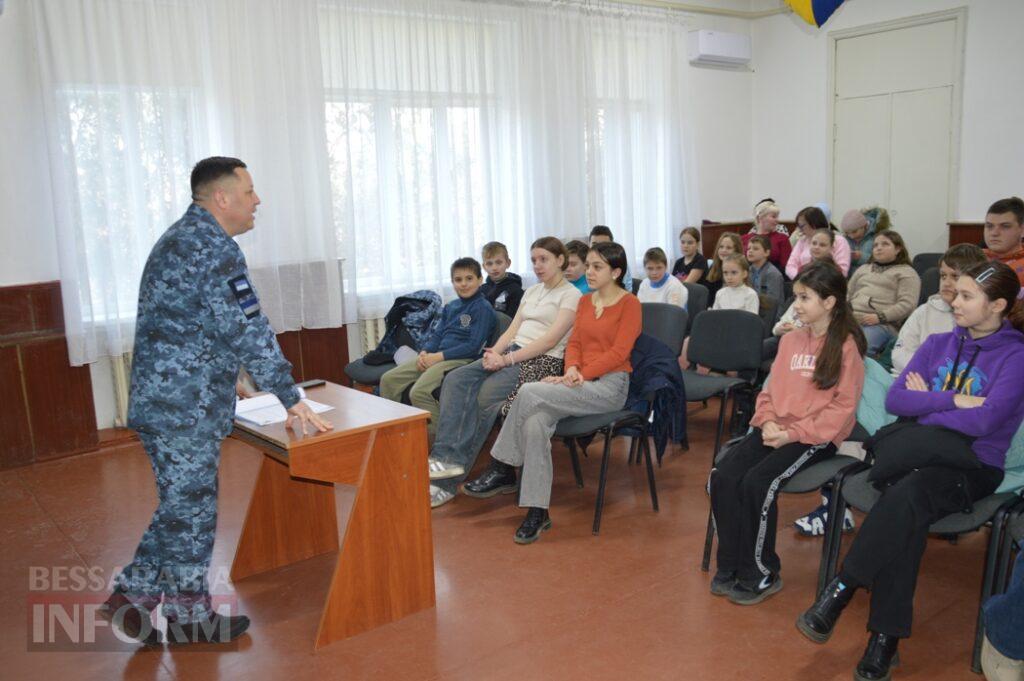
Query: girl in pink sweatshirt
x=800 y=418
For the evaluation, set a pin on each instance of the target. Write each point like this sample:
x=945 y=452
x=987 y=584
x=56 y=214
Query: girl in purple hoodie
x=970 y=380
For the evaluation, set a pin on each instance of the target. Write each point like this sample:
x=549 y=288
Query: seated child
x=807 y=409
x=576 y=270
x=596 y=381
x=968 y=381
x=692 y=267
x=660 y=286
x=729 y=243
x=936 y=314
x=503 y=289
x=466 y=324
x=765 y=277
x=736 y=294
x=884 y=292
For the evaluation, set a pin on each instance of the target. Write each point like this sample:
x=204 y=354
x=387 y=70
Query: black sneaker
x=879 y=658
x=537 y=521
x=752 y=594
x=214 y=629
x=133 y=620
x=723 y=583
x=820 y=619
x=499 y=478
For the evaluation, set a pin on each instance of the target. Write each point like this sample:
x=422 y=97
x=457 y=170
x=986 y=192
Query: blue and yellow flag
x=814 y=12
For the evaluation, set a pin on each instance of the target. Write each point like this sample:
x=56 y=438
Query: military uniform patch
x=465 y=320
x=245 y=295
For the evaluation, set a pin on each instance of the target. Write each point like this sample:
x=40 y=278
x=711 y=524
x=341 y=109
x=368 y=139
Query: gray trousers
x=525 y=438
x=471 y=399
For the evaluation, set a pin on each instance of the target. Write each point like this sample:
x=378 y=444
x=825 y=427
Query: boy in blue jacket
x=466 y=324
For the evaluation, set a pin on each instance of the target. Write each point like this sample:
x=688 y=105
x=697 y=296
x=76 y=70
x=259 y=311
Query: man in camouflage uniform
x=199 y=321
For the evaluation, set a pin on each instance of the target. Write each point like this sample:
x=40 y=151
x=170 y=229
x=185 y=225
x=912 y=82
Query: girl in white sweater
x=736 y=294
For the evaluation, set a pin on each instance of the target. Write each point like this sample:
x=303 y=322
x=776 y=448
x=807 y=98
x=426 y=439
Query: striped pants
x=745 y=487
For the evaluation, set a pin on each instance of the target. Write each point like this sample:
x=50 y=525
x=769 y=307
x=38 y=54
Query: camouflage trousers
x=174 y=554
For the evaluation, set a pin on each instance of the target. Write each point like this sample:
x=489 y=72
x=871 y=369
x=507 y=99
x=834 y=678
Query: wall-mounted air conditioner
x=715 y=48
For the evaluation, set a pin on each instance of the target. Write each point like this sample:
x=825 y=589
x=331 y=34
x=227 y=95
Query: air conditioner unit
x=716 y=48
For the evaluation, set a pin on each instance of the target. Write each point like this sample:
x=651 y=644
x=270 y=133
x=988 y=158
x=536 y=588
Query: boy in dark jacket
x=466 y=324
x=503 y=289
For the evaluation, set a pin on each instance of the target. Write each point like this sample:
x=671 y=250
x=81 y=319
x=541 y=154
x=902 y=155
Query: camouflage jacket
x=199 y=321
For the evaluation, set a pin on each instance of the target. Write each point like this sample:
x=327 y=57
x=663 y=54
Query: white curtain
x=386 y=138
x=134 y=94
x=450 y=124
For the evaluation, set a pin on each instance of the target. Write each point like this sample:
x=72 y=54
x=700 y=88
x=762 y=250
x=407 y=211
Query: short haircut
x=467 y=264
x=655 y=255
x=962 y=257
x=902 y=254
x=1011 y=205
x=762 y=241
x=209 y=170
x=602 y=230
x=492 y=249
x=578 y=248
x=554 y=246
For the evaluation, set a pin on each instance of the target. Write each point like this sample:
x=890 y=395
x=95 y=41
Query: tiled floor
x=629 y=604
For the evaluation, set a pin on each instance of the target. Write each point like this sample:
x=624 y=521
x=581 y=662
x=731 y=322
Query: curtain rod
x=703 y=9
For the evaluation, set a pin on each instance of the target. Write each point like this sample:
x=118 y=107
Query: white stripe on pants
x=525 y=438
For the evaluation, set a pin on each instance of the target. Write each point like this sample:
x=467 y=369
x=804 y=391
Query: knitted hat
x=853 y=219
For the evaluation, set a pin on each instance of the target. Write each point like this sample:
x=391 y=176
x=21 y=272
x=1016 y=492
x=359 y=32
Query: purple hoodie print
x=991 y=367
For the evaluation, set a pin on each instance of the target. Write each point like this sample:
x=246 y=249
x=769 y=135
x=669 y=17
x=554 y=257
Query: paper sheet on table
x=264 y=410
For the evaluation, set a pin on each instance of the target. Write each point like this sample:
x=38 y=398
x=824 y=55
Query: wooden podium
x=385 y=567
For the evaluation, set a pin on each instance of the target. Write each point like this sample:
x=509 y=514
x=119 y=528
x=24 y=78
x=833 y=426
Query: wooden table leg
x=385 y=568
x=289 y=519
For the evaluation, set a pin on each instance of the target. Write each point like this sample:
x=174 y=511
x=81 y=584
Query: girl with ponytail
x=961 y=399
x=800 y=418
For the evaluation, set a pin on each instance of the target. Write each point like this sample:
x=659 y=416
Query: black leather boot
x=216 y=628
x=537 y=520
x=133 y=620
x=879 y=658
x=819 y=620
x=499 y=478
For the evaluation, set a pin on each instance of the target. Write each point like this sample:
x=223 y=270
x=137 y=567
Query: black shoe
x=499 y=478
x=133 y=620
x=819 y=620
x=215 y=629
x=879 y=658
x=723 y=583
x=537 y=521
x=752 y=594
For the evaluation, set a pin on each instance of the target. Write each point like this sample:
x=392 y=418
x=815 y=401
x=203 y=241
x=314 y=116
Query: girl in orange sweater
x=596 y=380
x=806 y=411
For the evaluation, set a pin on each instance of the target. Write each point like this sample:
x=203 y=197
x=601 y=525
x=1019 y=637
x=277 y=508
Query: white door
x=894 y=126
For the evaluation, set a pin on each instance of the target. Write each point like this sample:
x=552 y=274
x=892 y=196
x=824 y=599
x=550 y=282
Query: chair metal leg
x=833 y=538
x=575 y=458
x=603 y=479
x=721 y=424
x=633 y=452
x=988 y=581
x=709 y=539
x=646 y=446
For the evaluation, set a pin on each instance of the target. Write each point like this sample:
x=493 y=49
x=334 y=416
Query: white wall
x=790 y=95
x=28 y=244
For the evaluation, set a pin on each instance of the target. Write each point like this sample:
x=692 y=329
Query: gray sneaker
x=439 y=496
x=439 y=470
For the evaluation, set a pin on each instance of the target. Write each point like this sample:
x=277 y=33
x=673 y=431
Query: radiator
x=371 y=331
x=121 y=372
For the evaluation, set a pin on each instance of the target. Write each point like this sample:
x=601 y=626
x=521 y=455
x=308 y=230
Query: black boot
x=819 y=620
x=879 y=657
x=215 y=629
x=499 y=478
x=133 y=620
x=537 y=520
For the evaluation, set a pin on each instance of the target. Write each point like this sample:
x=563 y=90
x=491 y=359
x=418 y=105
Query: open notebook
x=264 y=410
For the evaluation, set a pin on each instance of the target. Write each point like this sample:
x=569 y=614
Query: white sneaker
x=439 y=470
x=439 y=497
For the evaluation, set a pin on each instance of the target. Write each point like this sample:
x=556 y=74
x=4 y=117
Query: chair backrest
x=503 y=321
x=925 y=261
x=665 y=322
x=768 y=311
x=929 y=284
x=636 y=285
x=696 y=302
x=726 y=340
